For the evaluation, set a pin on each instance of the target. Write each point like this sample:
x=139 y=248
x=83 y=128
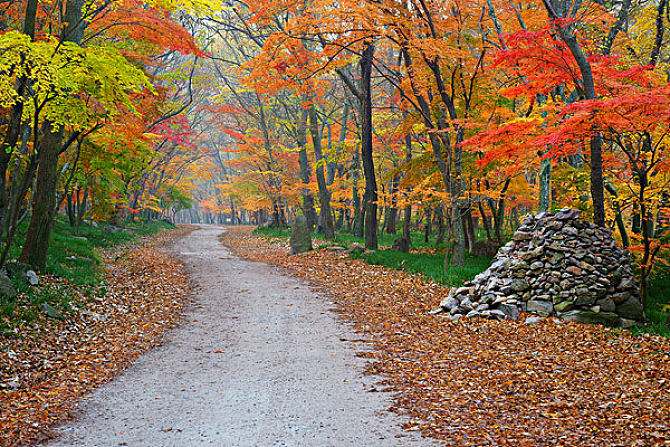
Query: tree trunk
x=660 y=31
x=326 y=225
x=70 y=209
x=428 y=224
x=470 y=231
x=485 y=220
x=406 y=242
x=44 y=201
x=305 y=175
x=81 y=212
x=13 y=133
x=588 y=86
x=439 y=213
x=455 y=255
x=392 y=214
x=545 y=185
x=359 y=216
x=625 y=241
x=370 y=196
x=44 y=198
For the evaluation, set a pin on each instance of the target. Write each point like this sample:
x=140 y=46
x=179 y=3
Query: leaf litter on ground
x=481 y=382
x=52 y=363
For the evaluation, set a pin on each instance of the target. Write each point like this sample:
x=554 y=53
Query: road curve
x=260 y=360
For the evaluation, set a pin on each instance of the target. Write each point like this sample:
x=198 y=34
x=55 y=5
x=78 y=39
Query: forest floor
x=480 y=382
x=260 y=357
x=107 y=308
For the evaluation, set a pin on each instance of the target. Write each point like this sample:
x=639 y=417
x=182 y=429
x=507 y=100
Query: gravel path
x=260 y=360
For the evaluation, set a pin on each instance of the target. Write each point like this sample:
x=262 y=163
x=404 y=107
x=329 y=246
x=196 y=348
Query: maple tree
x=519 y=106
x=365 y=116
x=433 y=124
x=83 y=95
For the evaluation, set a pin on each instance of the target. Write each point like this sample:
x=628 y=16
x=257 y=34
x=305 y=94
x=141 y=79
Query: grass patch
x=345 y=239
x=429 y=265
x=387 y=240
x=658 y=306
x=74 y=256
x=273 y=233
x=73 y=251
x=426 y=264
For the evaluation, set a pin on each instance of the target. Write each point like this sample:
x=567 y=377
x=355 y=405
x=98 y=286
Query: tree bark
x=428 y=225
x=660 y=31
x=392 y=212
x=359 y=215
x=439 y=213
x=36 y=246
x=588 y=87
x=326 y=225
x=370 y=196
x=13 y=132
x=44 y=198
x=305 y=174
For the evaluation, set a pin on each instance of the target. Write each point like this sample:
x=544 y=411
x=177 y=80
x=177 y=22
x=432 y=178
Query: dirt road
x=260 y=360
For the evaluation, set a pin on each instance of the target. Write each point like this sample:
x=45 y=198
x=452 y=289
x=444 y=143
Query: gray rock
x=7 y=290
x=466 y=304
x=436 y=311
x=449 y=303
x=621 y=297
x=572 y=231
x=520 y=236
x=626 y=283
x=500 y=299
x=497 y=314
x=482 y=277
x=544 y=308
x=564 y=306
x=532 y=320
x=511 y=311
x=583 y=297
x=519 y=285
x=51 y=311
x=499 y=264
x=336 y=248
x=590 y=317
x=32 y=278
x=606 y=305
x=463 y=291
x=574 y=270
x=556 y=263
x=301 y=237
x=631 y=309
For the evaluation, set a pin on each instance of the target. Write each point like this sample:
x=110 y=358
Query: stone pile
x=555 y=265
